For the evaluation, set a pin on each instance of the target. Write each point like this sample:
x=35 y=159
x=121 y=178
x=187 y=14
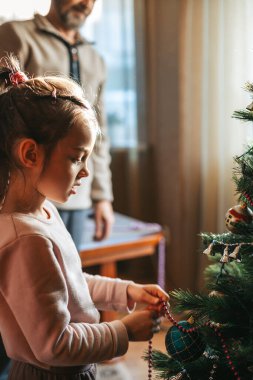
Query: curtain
x=199 y=55
x=216 y=61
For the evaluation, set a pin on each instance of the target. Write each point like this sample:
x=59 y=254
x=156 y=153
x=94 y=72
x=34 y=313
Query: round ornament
x=237 y=214
x=184 y=346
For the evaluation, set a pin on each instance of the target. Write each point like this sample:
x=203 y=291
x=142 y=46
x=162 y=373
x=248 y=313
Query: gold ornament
x=191 y=320
x=215 y=293
x=179 y=376
x=235 y=253
x=250 y=107
x=208 y=250
x=225 y=258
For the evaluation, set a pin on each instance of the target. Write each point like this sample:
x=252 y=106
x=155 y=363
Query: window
x=20 y=10
x=111 y=27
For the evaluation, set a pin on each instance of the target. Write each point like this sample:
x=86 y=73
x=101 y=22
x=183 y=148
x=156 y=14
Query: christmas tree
x=216 y=342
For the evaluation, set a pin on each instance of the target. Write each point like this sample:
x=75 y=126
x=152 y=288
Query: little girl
x=49 y=320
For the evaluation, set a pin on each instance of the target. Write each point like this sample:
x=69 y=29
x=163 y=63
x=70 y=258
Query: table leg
x=161 y=263
x=108 y=270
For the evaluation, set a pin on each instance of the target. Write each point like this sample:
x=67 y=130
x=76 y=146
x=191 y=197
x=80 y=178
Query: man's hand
x=104 y=219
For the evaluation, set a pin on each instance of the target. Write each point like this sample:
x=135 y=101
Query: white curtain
x=216 y=61
x=199 y=55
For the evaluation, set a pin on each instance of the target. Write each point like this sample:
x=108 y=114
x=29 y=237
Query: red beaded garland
x=150 y=361
x=193 y=329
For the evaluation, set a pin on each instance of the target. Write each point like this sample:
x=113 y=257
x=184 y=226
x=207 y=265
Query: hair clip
x=17 y=78
x=53 y=93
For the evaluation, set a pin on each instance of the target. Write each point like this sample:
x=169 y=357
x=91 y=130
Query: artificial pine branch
x=165 y=367
x=225 y=238
x=244 y=229
x=248 y=87
x=243 y=115
x=222 y=309
x=163 y=364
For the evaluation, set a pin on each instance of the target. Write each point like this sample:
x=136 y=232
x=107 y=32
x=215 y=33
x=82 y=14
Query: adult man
x=53 y=45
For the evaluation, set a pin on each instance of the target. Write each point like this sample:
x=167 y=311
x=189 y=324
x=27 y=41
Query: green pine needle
x=248 y=87
x=243 y=115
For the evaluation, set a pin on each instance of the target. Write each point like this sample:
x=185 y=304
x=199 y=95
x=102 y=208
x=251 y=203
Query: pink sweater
x=48 y=306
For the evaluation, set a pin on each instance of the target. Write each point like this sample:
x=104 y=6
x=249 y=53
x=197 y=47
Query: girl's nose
x=83 y=173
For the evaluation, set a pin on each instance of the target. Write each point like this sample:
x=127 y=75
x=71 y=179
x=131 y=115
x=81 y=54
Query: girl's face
x=67 y=165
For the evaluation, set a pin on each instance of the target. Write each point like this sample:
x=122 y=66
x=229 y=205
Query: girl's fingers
x=150 y=299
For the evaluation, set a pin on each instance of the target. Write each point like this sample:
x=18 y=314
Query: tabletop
x=130 y=238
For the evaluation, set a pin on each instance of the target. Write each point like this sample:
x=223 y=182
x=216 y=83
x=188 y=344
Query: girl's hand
x=148 y=294
x=141 y=325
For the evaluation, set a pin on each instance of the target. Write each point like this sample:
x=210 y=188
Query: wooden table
x=130 y=238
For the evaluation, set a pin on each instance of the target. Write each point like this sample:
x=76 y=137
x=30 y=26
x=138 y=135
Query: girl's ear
x=29 y=153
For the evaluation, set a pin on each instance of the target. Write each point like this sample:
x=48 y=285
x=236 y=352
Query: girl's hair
x=41 y=108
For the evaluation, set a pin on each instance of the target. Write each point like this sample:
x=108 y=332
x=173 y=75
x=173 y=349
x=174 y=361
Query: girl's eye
x=79 y=160
x=76 y=161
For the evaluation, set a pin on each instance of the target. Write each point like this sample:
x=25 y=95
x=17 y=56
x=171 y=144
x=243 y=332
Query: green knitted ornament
x=184 y=346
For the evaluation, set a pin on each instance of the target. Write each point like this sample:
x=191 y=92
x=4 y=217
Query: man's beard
x=73 y=17
x=71 y=21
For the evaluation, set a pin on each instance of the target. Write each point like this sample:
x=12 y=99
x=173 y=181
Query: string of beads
x=212 y=325
x=150 y=359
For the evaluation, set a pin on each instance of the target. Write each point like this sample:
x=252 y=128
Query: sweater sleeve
x=108 y=293
x=33 y=284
